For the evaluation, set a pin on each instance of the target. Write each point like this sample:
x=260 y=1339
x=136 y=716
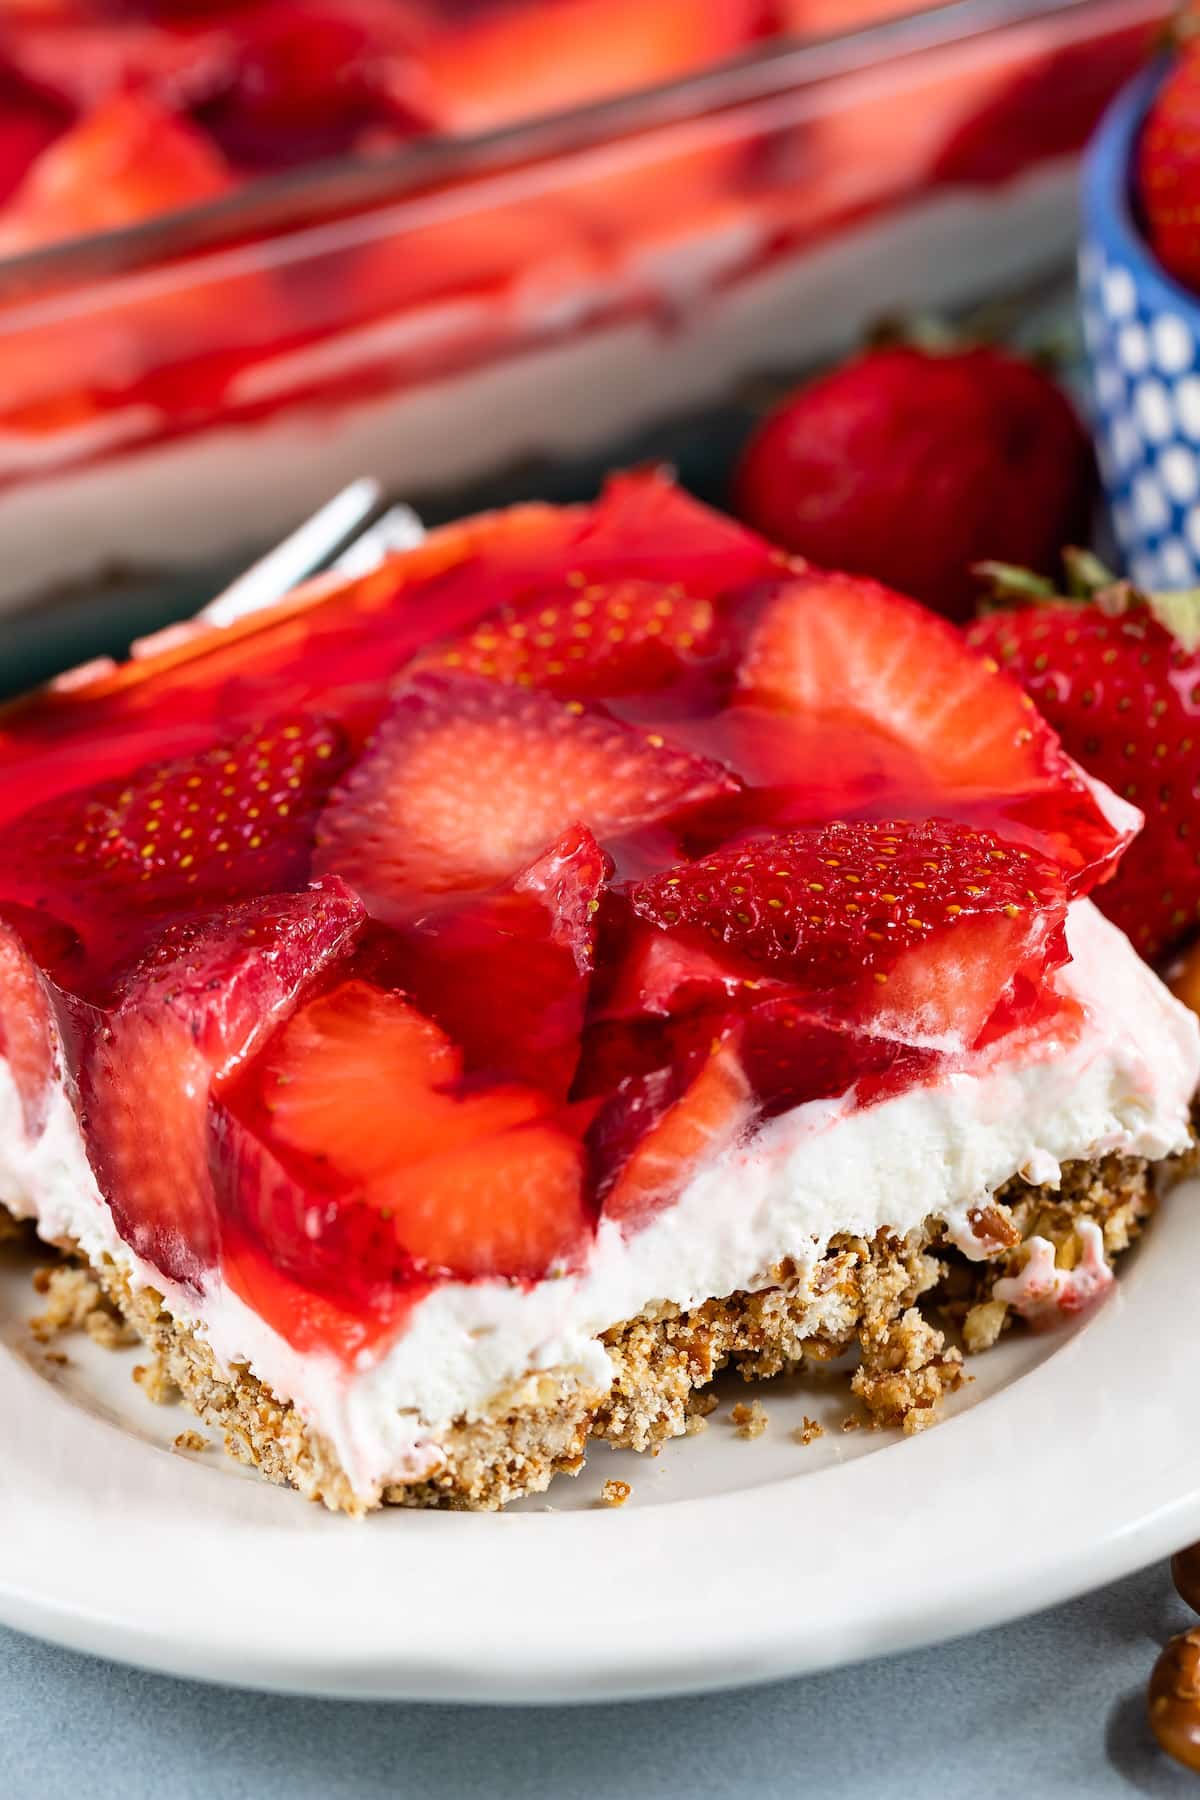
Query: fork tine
x=311 y=547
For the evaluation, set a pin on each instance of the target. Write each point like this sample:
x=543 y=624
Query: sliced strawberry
x=310 y=81
x=792 y=1057
x=659 y=1128
x=363 y=1082
x=31 y=117
x=508 y=975
x=399 y=1171
x=115 y=859
x=574 y=52
x=862 y=671
x=918 y=929
x=509 y=1206
x=592 y=639
x=466 y=780
x=660 y=974
x=201 y=1002
x=28 y=1032
x=127 y=160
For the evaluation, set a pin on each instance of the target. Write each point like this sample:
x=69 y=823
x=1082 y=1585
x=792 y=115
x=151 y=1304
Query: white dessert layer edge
x=1124 y=1084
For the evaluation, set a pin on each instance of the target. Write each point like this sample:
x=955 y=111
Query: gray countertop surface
x=1051 y=1706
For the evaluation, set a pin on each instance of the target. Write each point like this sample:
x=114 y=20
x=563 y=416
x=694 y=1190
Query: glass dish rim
x=312 y=194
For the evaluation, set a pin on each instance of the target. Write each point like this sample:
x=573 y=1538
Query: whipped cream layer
x=1123 y=1082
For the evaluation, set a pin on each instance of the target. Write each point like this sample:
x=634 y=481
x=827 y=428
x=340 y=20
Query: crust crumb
x=57 y=1358
x=109 y=1331
x=851 y=1422
x=70 y=1295
x=749 y=1419
x=155 y=1383
x=695 y=1424
x=907 y=1369
x=191 y=1440
x=615 y=1493
x=807 y=1432
x=75 y=1302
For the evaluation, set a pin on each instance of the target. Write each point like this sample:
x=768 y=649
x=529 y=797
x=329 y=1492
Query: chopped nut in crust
x=807 y=1432
x=983 y=1325
x=615 y=1493
x=749 y=1418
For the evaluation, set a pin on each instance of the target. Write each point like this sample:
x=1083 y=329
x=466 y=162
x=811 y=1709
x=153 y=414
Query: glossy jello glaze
x=404 y=933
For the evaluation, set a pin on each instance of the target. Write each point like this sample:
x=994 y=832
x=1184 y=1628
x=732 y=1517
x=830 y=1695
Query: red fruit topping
x=1168 y=170
x=508 y=975
x=591 y=639
x=28 y=1035
x=466 y=780
x=856 y=667
x=129 y=159
x=920 y=926
x=401 y=1169
x=911 y=467
x=792 y=1057
x=203 y=1000
x=30 y=119
x=1124 y=693
x=576 y=51
x=653 y=1135
x=660 y=974
x=308 y=82
x=179 y=835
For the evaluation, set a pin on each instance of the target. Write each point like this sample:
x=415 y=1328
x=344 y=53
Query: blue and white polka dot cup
x=1142 y=332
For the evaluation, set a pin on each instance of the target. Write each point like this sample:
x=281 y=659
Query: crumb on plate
x=749 y=1418
x=806 y=1432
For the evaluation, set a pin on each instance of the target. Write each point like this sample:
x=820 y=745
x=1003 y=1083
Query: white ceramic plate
x=1070 y=1460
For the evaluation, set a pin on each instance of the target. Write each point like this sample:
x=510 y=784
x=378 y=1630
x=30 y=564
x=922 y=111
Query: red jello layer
x=405 y=932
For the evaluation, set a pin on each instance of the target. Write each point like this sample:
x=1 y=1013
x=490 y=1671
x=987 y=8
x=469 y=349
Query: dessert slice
x=458 y=1011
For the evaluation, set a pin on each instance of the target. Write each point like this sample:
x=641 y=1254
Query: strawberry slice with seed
x=915 y=929
x=867 y=675
x=181 y=834
x=466 y=781
x=590 y=639
x=383 y=1167
x=200 y=1003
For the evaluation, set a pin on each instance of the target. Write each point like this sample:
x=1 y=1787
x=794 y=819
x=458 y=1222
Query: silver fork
x=350 y=535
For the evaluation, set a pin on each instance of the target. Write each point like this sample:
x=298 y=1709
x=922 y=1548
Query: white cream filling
x=1123 y=1084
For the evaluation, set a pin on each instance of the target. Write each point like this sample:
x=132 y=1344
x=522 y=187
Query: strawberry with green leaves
x=1117 y=674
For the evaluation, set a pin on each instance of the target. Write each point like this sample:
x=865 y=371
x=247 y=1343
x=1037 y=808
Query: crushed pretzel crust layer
x=862 y=1293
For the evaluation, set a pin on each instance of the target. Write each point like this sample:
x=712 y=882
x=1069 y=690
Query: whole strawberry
x=1168 y=170
x=910 y=465
x=1117 y=674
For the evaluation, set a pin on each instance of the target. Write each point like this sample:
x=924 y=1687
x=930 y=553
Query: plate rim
x=1103 y=1434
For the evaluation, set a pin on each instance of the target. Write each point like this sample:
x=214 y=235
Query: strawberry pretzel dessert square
x=459 y=1010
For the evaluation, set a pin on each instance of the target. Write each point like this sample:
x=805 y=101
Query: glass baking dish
x=182 y=391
